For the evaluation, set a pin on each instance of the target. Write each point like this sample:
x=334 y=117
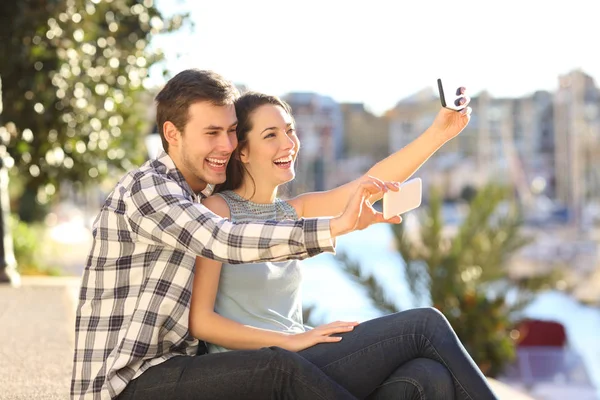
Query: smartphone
x=450 y=95
x=407 y=198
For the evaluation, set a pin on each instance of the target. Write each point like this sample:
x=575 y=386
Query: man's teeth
x=283 y=160
x=216 y=161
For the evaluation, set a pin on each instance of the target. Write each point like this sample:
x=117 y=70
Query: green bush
x=27 y=241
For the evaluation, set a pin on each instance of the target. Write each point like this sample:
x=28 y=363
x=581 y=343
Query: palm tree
x=465 y=275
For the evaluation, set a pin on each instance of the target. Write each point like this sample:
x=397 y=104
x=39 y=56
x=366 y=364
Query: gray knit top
x=264 y=295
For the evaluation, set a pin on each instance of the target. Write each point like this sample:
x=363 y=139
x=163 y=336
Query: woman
x=411 y=354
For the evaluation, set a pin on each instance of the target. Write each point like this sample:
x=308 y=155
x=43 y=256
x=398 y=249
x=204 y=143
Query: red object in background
x=541 y=333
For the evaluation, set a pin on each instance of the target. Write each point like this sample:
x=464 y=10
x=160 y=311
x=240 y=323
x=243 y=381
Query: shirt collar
x=165 y=162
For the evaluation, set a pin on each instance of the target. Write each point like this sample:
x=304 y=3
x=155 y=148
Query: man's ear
x=172 y=134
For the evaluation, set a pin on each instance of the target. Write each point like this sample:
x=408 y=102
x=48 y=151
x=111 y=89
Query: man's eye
x=212 y=133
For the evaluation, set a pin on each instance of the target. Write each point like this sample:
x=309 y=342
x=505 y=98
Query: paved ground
x=36 y=338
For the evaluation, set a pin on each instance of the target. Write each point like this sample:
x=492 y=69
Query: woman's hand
x=450 y=123
x=320 y=334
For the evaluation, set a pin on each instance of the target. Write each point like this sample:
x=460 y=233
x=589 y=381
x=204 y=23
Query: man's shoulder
x=151 y=174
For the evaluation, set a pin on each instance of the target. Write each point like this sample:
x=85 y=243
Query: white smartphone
x=407 y=198
x=450 y=95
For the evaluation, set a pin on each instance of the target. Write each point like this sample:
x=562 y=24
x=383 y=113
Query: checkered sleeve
x=160 y=213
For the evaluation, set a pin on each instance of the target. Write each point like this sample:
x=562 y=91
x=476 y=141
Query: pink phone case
x=407 y=198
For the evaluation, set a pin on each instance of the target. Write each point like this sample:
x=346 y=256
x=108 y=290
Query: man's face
x=203 y=149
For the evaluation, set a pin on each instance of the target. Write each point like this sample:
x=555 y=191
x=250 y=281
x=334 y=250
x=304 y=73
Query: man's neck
x=197 y=185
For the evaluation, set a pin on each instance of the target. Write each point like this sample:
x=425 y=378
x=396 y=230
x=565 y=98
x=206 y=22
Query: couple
x=142 y=308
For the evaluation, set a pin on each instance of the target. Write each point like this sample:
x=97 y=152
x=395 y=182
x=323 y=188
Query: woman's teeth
x=283 y=160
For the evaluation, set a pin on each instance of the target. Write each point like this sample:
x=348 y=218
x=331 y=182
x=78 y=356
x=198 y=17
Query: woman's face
x=272 y=146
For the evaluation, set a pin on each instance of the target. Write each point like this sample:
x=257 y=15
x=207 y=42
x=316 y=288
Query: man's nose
x=228 y=143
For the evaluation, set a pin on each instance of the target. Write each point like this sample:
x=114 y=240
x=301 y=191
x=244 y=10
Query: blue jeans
x=393 y=356
x=268 y=373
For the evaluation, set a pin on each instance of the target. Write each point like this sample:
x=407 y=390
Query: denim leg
x=368 y=355
x=418 y=379
x=268 y=373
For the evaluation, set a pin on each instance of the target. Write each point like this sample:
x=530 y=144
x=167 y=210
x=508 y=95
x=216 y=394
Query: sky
x=377 y=52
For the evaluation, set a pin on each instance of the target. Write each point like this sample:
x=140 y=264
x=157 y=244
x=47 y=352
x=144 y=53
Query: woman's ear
x=243 y=155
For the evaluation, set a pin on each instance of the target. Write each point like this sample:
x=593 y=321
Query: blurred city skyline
x=380 y=53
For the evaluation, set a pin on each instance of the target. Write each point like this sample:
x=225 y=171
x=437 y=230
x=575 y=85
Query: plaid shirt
x=136 y=288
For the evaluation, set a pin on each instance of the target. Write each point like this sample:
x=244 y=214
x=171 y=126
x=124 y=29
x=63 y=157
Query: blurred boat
x=546 y=367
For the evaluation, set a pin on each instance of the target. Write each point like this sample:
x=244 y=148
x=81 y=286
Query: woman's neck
x=256 y=192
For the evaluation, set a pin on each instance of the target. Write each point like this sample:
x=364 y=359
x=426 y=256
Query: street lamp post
x=8 y=264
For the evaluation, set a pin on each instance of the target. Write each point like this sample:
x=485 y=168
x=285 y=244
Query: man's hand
x=449 y=123
x=359 y=212
x=320 y=334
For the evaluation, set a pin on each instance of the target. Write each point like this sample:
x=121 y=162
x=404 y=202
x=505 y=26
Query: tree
x=465 y=275
x=73 y=74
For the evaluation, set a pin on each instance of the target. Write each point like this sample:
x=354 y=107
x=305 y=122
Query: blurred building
x=365 y=142
x=577 y=137
x=507 y=140
x=320 y=128
x=365 y=134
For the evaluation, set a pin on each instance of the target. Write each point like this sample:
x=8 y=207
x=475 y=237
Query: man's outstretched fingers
x=373 y=186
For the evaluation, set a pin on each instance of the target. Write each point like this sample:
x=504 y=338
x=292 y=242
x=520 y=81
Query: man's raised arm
x=161 y=213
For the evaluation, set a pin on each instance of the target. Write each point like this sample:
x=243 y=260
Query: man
x=132 y=338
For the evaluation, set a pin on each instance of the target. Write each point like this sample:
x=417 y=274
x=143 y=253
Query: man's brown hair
x=186 y=88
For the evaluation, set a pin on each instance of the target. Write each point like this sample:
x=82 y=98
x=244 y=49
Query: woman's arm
x=397 y=167
x=204 y=322
x=207 y=325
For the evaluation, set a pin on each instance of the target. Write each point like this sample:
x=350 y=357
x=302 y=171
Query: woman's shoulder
x=217 y=204
x=295 y=204
x=290 y=209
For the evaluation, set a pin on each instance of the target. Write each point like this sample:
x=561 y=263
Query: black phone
x=450 y=98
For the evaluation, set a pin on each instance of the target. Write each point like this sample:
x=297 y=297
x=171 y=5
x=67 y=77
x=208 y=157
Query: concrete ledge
x=37 y=323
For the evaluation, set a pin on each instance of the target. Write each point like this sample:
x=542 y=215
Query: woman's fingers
x=330 y=339
x=335 y=329
x=342 y=323
x=466 y=111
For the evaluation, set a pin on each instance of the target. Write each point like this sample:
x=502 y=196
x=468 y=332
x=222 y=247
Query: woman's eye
x=291 y=131
x=269 y=135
